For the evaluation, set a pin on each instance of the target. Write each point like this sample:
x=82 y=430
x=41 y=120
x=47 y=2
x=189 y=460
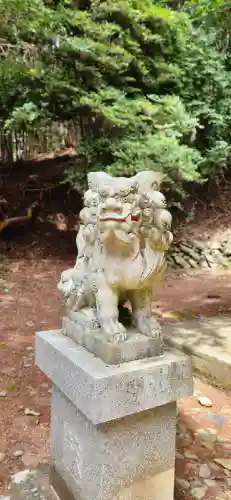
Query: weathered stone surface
x=136 y=346
x=191 y=252
x=127 y=388
x=122 y=240
x=208 y=341
x=32 y=485
x=158 y=488
x=193 y=263
x=211 y=254
x=180 y=261
x=108 y=460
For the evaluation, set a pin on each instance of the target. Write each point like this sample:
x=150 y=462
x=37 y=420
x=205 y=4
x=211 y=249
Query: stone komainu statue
x=122 y=240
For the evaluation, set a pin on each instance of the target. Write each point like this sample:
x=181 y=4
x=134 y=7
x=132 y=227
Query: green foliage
x=149 y=82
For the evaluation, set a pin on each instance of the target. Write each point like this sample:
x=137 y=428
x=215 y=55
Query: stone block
x=137 y=346
x=107 y=392
x=113 y=426
x=208 y=342
x=130 y=458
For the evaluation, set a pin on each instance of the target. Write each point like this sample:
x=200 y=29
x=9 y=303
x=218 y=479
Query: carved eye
x=128 y=199
x=104 y=192
x=147 y=212
x=134 y=187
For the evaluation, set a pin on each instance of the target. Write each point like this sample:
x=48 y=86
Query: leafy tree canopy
x=148 y=82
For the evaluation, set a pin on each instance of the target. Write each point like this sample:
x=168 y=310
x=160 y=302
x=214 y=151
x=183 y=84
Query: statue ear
x=158 y=178
x=150 y=179
x=97 y=179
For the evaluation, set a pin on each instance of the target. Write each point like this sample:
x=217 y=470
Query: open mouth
x=112 y=217
x=119 y=218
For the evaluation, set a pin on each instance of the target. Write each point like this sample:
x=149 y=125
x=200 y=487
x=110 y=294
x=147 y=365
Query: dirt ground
x=30 y=302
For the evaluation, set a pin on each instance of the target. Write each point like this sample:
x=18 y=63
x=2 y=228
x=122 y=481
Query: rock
x=211 y=483
x=193 y=263
x=209 y=259
x=191 y=252
x=223 y=439
x=198 y=244
x=224 y=462
x=215 y=245
x=204 y=471
x=17 y=453
x=190 y=455
x=3 y=394
x=196 y=483
x=207 y=435
x=214 y=467
x=205 y=265
x=204 y=401
x=208 y=446
x=22 y=476
x=27 y=411
x=182 y=483
x=2 y=457
x=198 y=493
x=179 y=456
x=180 y=261
x=227 y=247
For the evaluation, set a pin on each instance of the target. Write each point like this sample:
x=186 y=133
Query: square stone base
x=127 y=459
x=107 y=392
x=34 y=484
x=137 y=346
x=113 y=426
x=159 y=487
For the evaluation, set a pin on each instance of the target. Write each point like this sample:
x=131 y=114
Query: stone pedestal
x=113 y=426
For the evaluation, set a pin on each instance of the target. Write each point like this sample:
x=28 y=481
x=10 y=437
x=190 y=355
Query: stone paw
x=149 y=327
x=114 y=331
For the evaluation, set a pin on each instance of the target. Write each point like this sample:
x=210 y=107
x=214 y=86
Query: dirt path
x=30 y=302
